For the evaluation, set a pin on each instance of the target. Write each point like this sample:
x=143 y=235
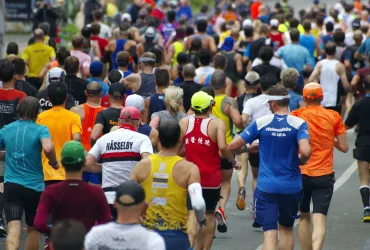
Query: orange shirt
x=88 y=124
x=255 y=10
x=323 y=126
x=230 y=16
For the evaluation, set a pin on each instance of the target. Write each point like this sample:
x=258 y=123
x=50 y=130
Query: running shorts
x=362 y=153
x=225 y=164
x=94 y=178
x=2 y=171
x=272 y=209
x=320 y=190
x=254 y=160
x=211 y=198
x=175 y=240
x=19 y=199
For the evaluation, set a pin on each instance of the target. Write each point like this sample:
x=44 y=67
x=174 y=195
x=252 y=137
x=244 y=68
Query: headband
x=255 y=83
x=275 y=98
x=146 y=59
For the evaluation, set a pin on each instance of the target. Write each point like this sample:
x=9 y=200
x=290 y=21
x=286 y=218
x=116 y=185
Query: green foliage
x=67 y=32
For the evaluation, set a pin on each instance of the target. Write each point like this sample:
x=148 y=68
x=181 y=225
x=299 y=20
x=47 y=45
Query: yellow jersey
x=179 y=47
x=218 y=112
x=167 y=201
x=62 y=124
x=37 y=55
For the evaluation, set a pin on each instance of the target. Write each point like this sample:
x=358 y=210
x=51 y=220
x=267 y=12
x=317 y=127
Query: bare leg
x=243 y=172
x=286 y=241
x=192 y=228
x=319 y=228
x=32 y=242
x=225 y=187
x=14 y=234
x=305 y=235
x=205 y=238
x=270 y=239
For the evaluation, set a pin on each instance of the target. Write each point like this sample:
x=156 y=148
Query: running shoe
x=255 y=223
x=2 y=228
x=240 y=200
x=366 y=217
x=221 y=219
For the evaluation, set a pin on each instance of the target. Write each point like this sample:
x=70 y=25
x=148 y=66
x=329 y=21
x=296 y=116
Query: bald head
x=312 y=85
x=38 y=34
x=93 y=89
x=357 y=36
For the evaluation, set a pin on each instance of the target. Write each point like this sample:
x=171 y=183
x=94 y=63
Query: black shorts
x=254 y=160
x=211 y=198
x=19 y=199
x=320 y=190
x=225 y=164
x=362 y=153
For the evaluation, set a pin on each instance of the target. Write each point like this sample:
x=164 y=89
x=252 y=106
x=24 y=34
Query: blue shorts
x=272 y=209
x=175 y=240
x=94 y=178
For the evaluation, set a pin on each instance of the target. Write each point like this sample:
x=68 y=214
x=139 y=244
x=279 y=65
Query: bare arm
x=171 y=52
x=245 y=118
x=355 y=80
x=305 y=150
x=229 y=87
x=239 y=63
x=212 y=45
x=221 y=141
x=76 y=137
x=316 y=73
x=145 y=116
x=341 y=71
x=154 y=122
x=95 y=133
x=132 y=81
x=341 y=143
x=232 y=110
x=91 y=164
x=48 y=148
x=153 y=136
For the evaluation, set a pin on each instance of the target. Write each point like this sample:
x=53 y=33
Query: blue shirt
x=104 y=86
x=184 y=11
x=324 y=40
x=278 y=136
x=295 y=56
x=309 y=43
x=365 y=47
x=22 y=143
x=294 y=100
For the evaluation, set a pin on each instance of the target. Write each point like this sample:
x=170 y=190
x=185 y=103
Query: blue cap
x=228 y=44
x=316 y=1
x=96 y=68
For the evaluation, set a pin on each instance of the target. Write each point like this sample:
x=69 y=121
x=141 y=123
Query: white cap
x=126 y=17
x=329 y=19
x=136 y=101
x=247 y=22
x=274 y=23
x=55 y=75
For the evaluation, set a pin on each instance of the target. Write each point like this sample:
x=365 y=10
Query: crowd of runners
x=128 y=139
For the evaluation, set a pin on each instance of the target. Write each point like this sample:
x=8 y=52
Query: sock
x=365 y=192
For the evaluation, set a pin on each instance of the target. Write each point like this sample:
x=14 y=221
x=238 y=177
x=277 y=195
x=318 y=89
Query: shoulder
x=264 y=121
x=294 y=121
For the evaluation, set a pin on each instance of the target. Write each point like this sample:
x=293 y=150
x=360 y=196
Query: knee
x=305 y=217
x=31 y=230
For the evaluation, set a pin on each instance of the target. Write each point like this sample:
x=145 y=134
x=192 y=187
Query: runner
x=83 y=58
x=119 y=152
x=24 y=180
x=326 y=132
x=189 y=86
x=359 y=115
x=225 y=109
x=289 y=79
x=131 y=207
x=207 y=41
x=76 y=85
x=87 y=113
x=166 y=179
x=205 y=136
x=63 y=125
x=279 y=187
x=20 y=83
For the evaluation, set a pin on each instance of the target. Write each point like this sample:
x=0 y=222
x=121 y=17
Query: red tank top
x=203 y=152
x=277 y=39
x=88 y=124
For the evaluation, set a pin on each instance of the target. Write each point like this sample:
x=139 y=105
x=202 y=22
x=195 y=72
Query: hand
x=54 y=165
x=237 y=165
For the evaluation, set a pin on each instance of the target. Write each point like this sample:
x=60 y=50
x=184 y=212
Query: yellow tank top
x=219 y=113
x=179 y=47
x=167 y=201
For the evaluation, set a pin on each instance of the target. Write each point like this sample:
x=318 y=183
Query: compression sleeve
x=197 y=201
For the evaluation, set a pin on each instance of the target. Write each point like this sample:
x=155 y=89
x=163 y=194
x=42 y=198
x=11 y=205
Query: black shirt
x=25 y=87
x=76 y=86
x=108 y=118
x=189 y=88
x=46 y=104
x=359 y=114
x=265 y=68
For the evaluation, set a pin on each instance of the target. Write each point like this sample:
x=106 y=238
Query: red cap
x=131 y=113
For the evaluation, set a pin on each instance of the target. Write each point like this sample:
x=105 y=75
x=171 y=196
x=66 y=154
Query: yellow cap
x=201 y=100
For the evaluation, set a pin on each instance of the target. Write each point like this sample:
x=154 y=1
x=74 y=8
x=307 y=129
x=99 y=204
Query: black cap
x=130 y=193
x=117 y=90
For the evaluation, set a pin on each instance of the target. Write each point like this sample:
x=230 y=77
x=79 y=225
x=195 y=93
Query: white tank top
x=329 y=82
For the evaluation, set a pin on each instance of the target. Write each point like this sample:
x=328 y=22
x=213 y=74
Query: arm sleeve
x=346 y=55
x=250 y=133
x=303 y=132
x=76 y=125
x=43 y=211
x=146 y=146
x=247 y=51
x=99 y=119
x=44 y=133
x=156 y=242
x=352 y=117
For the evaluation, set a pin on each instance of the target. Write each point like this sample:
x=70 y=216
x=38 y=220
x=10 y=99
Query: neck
x=200 y=33
x=250 y=90
x=330 y=57
x=93 y=100
x=160 y=90
x=123 y=69
x=202 y=115
x=8 y=85
x=313 y=104
x=191 y=79
x=78 y=49
x=148 y=70
x=19 y=77
x=168 y=151
x=307 y=33
x=127 y=218
x=39 y=40
x=116 y=104
x=295 y=42
x=73 y=175
x=219 y=91
x=282 y=111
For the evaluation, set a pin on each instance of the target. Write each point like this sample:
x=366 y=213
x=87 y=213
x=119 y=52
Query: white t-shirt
x=123 y=237
x=202 y=72
x=105 y=31
x=255 y=108
x=119 y=152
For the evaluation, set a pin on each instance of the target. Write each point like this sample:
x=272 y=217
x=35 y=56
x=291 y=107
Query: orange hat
x=312 y=91
x=54 y=64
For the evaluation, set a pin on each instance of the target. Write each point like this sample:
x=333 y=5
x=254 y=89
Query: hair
x=86 y=32
x=158 y=51
x=208 y=90
x=98 y=14
x=45 y=27
x=189 y=30
x=204 y=9
x=289 y=78
x=248 y=31
x=188 y=71
x=149 y=55
x=71 y=65
x=220 y=61
x=169 y=133
x=12 y=48
x=182 y=58
x=264 y=29
x=294 y=23
x=173 y=98
x=68 y=235
x=330 y=49
x=57 y=93
x=364 y=29
x=77 y=41
x=162 y=78
x=7 y=71
x=123 y=58
x=196 y=44
x=266 y=53
x=306 y=25
x=294 y=35
x=339 y=36
x=95 y=29
x=171 y=16
x=205 y=57
x=280 y=91
x=268 y=80
x=20 y=66
x=114 y=76
x=218 y=79
x=202 y=25
x=62 y=54
x=329 y=26
x=29 y=108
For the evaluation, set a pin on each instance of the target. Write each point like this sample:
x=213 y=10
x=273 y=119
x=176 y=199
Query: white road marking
x=342 y=179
